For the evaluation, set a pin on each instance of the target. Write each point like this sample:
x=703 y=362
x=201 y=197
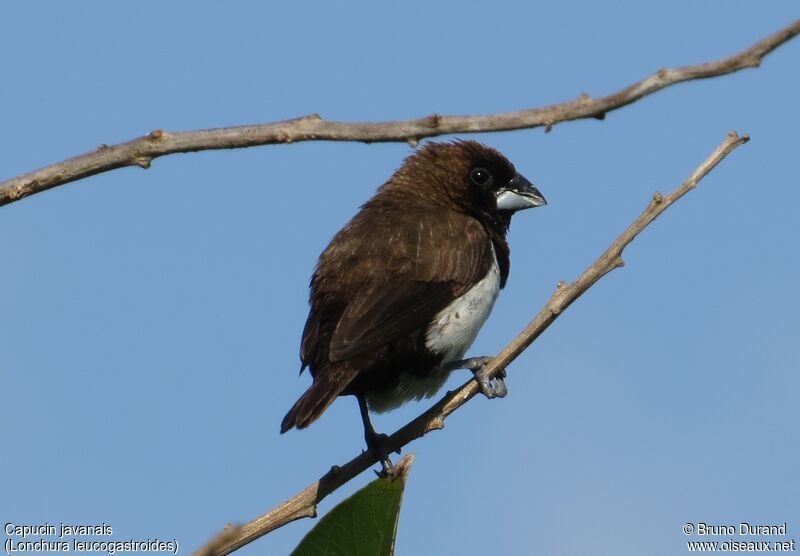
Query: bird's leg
x=375 y=441
x=491 y=388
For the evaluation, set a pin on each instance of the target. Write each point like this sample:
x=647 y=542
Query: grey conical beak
x=519 y=194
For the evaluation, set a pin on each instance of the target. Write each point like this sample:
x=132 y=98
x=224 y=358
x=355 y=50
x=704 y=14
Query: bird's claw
x=491 y=387
x=377 y=444
x=473 y=364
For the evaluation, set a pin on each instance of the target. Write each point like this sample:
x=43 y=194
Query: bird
x=399 y=294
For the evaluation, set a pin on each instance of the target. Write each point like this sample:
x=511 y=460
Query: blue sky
x=150 y=321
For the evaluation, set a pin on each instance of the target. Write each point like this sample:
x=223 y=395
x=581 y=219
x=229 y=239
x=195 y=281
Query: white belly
x=457 y=325
x=450 y=334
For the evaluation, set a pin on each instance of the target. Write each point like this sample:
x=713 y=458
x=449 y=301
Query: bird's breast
x=455 y=327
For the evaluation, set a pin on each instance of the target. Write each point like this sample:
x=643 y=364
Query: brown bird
x=400 y=293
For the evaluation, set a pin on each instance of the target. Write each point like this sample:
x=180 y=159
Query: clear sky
x=150 y=320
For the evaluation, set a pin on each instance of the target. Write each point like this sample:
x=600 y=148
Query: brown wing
x=384 y=313
x=399 y=273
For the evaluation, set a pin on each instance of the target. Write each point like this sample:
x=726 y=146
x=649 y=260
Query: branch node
x=435 y=424
x=402 y=468
x=413 y=142
x=618 y=262
x=18 y=191
x=143 y=161
x=548 y=127
x=658 y=198
x=305 y=511
x=561 y=284
x=662 y=73
x=753 y=61
x=156 y=135
x=733 y=135
x=584 y=97
x=314 y=117
x=433 y=120
x=102 y=148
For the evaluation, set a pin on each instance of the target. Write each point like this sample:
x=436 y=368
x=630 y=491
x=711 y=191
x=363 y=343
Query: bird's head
x=469 y=176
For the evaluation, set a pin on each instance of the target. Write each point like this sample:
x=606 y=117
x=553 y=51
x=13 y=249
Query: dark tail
x=314 y=401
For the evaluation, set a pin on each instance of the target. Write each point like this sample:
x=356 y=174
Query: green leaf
x=363 y=525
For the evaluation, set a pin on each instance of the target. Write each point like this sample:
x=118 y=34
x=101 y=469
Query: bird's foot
x=377 y=443
x=490 y=387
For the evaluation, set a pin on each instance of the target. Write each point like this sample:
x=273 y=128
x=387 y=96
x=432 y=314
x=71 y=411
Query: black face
x=487 y=177
x=496 y=189
x=490 y=176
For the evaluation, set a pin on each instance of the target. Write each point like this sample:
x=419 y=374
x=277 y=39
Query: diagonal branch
x=305 y=503
x=142 y=150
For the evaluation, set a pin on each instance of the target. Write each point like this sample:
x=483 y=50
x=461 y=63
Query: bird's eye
x=481 y=177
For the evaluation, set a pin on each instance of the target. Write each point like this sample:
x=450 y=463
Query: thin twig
x=305 y=503
x=141 y=151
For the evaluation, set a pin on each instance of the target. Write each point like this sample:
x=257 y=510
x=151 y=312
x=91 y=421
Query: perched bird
x=400 y=293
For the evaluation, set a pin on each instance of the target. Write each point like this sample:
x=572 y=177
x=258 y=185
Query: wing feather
x=407 y=279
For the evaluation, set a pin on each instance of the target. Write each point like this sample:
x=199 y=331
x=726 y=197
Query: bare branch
x=305 y=503
x=141 y=151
